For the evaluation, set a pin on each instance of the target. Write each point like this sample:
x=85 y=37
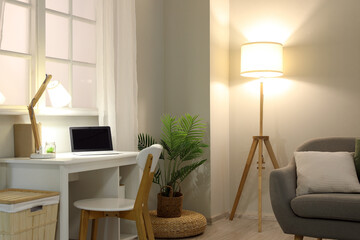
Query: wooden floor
x=244 y=229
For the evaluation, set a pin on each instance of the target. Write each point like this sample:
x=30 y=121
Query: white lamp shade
x=262 y=59
x=2 y=98
x=58 y=95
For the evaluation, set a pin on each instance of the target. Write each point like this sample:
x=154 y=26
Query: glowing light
x=272 y=86
x=273 y=21
x=220 y=10
x=267 y=30
x=2 y=98
x=262 y=59
x=48 y=134
x=58 y=95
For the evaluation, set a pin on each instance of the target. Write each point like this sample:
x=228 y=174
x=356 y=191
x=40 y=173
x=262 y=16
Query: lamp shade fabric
x=262 y=59
x=58 y=95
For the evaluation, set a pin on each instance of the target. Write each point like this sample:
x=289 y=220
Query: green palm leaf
x=182 y=140
x=192 y=127
x=144 y=141
x=182 y=173
x=157 y=175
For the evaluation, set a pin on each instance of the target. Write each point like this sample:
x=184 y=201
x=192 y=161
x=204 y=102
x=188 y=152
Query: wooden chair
x=136 y=210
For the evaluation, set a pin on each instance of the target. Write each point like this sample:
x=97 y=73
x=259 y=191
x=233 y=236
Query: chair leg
x=148 y=226
x=140 y=226
x=297 y=237
x=94 y=229
x=84 y=222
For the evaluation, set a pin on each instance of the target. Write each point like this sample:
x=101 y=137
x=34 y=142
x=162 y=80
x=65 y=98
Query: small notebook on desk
x=91 y=141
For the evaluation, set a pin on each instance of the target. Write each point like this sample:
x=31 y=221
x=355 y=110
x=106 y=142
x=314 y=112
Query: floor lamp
x=259 y=60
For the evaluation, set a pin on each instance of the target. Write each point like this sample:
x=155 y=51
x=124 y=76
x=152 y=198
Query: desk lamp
x=59 y=97
x=259 y=60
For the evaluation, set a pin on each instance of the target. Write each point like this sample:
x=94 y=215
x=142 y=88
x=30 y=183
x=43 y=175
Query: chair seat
x=105 y=204
x=337 y=206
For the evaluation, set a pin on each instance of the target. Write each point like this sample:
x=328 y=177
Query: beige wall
x=219 y=106
x=187 y=85
x=150 y=71
x=150 y=64
x=194 y=42
x=321 y=80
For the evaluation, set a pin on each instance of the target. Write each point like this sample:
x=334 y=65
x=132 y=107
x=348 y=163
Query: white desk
x=88 y=176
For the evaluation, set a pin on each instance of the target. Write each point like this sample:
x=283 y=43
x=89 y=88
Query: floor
x=244 y=229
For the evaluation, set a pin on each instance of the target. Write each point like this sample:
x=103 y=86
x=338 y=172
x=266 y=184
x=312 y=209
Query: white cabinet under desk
x=75 y=177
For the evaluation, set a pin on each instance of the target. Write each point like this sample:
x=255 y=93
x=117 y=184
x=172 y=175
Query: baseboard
x=226 y=215
x=217 y=218
x=255 y=216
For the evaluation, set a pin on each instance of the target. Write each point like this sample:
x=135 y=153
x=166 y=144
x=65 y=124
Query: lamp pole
x=261 y=158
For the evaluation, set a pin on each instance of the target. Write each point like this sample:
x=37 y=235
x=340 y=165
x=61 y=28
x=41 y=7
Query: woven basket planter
x=170 y=207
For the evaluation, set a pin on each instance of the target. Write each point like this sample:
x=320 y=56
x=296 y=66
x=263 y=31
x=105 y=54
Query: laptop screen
x=90 y=139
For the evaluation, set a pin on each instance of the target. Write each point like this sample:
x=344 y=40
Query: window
x=15 y=54
x=56 y=37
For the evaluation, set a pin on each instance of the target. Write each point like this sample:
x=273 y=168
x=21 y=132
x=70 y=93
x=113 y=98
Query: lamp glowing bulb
x=58 y=95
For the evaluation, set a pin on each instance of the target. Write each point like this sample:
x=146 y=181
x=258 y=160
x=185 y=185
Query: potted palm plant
x=183 y=142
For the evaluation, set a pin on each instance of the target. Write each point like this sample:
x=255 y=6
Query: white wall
x=187 y=84
x=150 y=64
x=150 y=71
x=321 y=78
x=175 y=37
x=219 y=106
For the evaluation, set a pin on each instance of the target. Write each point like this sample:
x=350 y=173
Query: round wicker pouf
x=189 y=224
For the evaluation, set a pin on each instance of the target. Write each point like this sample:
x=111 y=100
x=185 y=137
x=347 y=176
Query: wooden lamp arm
x=31 y=106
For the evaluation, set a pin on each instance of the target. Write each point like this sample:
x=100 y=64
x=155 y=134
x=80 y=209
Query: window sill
x=22 y=110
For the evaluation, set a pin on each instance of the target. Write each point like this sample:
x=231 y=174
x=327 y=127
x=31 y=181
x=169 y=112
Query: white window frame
x=37 y=58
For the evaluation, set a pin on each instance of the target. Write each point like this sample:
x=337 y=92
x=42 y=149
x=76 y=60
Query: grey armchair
x=330 y=215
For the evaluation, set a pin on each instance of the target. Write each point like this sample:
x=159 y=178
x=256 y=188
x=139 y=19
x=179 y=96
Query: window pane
x=14 y=84
x=61 y=6
x=16 y=29
x=59 y=72
x=84 y=8
x=57 y=36
x=84 y=87
x=84 y=44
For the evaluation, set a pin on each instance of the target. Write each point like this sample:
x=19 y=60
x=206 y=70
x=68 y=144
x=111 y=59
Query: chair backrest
x=155 y=151
x=329 y=144
x=148 y=173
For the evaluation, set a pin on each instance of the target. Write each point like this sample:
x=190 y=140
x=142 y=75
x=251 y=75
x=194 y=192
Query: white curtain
x=2 y=6
x=116 y=71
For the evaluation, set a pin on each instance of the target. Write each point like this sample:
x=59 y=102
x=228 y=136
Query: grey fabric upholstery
x=282 y=192
x=335 y=206
x=331 y=144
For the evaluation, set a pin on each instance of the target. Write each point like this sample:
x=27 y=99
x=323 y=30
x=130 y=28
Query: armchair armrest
x=282 y=191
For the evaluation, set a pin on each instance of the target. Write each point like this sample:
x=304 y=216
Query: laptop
x=91 y=141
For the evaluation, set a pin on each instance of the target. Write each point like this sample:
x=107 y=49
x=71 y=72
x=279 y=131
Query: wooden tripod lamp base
x=257 y=141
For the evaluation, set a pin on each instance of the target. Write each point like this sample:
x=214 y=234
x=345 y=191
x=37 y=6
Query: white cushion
x=324 y=172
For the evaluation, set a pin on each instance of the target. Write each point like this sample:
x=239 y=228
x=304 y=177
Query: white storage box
x=28 y=214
